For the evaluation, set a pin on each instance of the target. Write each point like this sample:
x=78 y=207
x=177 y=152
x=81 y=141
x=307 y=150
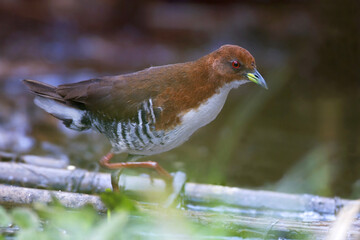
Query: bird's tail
x=49 y=100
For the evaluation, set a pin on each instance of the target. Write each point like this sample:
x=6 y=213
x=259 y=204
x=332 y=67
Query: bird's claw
x=115 y=176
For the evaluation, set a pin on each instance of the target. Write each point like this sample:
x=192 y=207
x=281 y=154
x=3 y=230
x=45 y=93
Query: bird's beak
x=256 y=77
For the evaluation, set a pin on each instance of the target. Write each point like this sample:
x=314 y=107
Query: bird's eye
x=235 y=64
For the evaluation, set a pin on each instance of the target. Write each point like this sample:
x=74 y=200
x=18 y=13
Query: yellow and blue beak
x=256 y=77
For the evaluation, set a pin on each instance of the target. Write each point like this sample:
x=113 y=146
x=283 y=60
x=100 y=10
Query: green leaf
x=5 y=219
x=111 y=229
x=117 y=201
x=31 y=234
x=25 y=218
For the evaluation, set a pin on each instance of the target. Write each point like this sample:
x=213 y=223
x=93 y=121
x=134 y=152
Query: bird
x=153 y=110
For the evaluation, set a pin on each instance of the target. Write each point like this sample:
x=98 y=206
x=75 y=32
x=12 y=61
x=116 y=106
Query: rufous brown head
x=235 y=63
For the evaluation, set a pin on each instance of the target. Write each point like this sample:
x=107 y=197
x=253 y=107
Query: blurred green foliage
x=116 y=201
x=125 y=222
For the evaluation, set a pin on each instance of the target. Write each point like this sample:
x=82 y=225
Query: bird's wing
x=119 y=97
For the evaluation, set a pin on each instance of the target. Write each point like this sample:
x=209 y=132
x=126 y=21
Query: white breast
x=195 y=119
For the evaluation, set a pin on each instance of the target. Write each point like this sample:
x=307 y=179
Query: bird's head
x=235 y=64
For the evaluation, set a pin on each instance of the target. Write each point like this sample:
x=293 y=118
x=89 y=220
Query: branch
x=79 y=180
x=20 y=196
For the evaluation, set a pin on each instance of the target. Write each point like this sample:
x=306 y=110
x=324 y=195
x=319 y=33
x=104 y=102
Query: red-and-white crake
x=153 y=110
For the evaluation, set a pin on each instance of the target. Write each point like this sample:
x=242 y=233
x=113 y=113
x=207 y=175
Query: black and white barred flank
x=137 y=134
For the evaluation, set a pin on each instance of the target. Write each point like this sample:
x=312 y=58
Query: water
x=300 y=136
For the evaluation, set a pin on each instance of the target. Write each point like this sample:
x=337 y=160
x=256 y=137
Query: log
x=83 y=181
x=11 y=196
x=20 y=196
x=34 y=160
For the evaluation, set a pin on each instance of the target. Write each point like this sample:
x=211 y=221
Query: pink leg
x=105 y=162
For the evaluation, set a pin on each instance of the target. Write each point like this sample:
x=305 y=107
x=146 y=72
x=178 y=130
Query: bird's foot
x=115 y=176
x=174 y=183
